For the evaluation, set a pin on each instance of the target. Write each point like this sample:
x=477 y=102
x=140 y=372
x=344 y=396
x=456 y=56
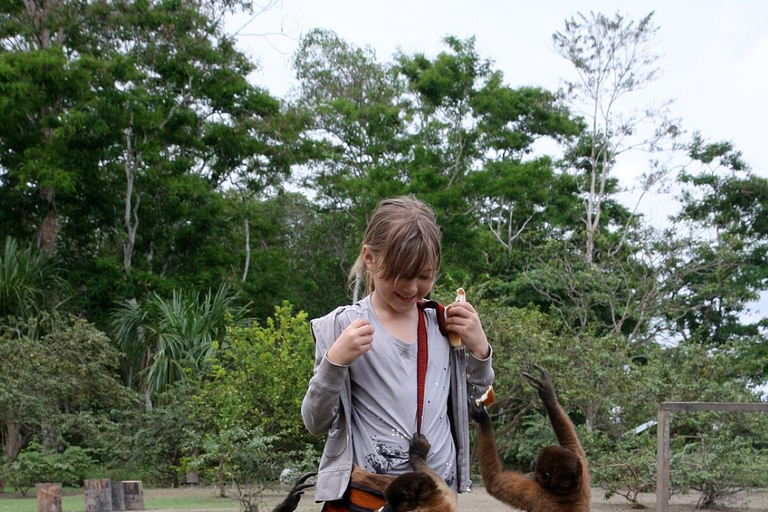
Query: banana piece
x=453 y=338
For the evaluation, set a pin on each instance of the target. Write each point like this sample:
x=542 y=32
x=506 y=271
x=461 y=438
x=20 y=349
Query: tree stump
x=98 y=495
x=134 y=495
x=118 y=496
x=48 y=497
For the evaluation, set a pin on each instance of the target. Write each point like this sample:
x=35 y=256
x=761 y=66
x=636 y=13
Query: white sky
x=714 y=54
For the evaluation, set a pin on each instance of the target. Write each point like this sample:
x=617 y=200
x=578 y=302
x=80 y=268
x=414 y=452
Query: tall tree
x=133 y=115
x=613 y=58
x=359 y=123
x=723 y=223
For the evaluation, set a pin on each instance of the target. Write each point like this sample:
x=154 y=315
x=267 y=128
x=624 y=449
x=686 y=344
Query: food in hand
x=487 y=399
x=454 y=338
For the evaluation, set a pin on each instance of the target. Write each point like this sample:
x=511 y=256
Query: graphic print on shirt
x=386 y=457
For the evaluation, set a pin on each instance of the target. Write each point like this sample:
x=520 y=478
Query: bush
x=33 y=466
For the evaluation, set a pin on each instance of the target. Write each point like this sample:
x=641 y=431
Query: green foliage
x=166 y=337
x=148 y=443
x=245 y=412
x=730 y=204
x=28 y=280
x=53 y=385
x=33 y=466
x=726 y=457
x=625 y=465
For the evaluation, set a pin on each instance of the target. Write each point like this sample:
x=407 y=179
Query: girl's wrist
x=484 y=353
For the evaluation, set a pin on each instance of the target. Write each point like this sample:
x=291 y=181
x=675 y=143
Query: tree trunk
x=222 y=489
x=98 y=495
x=48 y=497
x=131 y=212
x=134 y=495
x=247 y=250
x=12 y=442
x=118 y=496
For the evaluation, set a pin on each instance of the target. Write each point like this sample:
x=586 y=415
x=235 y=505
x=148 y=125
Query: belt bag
x=364 y=494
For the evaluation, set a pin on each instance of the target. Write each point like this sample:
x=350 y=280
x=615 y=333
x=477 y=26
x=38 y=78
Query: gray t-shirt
x=384 y=400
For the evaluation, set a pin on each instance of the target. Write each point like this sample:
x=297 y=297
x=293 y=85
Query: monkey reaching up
x=560 y=481
x=421 y=490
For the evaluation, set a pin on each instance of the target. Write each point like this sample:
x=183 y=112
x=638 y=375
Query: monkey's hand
x=479 y=413
x=291 y=501
x=543 y=385
x=419 y=447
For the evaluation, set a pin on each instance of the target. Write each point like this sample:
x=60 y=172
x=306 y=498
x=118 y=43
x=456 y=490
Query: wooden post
x=662 y=461
x=98 y=495
x=134 y=495
x=48 y=497
x=118 y=496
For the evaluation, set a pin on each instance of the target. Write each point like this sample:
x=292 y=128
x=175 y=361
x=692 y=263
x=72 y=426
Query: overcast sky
x=714 y=54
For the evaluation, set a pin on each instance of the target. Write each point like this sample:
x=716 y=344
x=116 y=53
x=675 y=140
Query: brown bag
x=364 y=494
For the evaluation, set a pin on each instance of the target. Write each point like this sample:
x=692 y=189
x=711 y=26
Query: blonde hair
x=403 y=237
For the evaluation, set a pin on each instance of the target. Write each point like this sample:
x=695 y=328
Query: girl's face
x=399 y=295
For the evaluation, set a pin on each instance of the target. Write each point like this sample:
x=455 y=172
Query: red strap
x=422 y=354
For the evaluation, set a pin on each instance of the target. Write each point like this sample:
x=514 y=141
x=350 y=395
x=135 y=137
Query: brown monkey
x=421 y=490
x=291 y=501
x=560 y=481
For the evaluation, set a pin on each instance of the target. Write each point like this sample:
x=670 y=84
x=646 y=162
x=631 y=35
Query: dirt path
x=477 y=501
x=480 y=501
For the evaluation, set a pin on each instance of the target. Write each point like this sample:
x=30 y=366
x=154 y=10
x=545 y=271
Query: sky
x=713 y=55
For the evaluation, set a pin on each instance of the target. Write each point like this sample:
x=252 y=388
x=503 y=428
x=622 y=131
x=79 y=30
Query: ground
x=477 y=501
x=480 y=501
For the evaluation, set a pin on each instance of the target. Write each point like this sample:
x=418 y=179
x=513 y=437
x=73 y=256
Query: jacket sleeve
x=479 y=375
x=322 y=400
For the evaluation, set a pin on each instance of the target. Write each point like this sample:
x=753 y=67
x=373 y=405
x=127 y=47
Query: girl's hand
x=353 y=342
x=462 y=319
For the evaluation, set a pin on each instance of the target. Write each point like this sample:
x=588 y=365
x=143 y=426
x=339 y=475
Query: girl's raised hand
x=462 y=319
x=353 y=342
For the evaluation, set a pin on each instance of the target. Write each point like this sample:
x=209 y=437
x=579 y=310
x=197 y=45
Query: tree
x=359 y=122
x=28 y=282
x=247 y=403
x=613 y=58
x=446 y=129
x=53 y=381
x=723 y=213
x=472 y=135
x=132 y=116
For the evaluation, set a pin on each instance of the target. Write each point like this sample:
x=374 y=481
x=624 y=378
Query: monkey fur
x=560 y=480
x=421 y=490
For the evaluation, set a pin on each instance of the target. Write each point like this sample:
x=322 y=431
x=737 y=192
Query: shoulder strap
x=422 y=354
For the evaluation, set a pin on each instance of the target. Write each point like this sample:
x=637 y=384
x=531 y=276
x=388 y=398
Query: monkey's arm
x=561 y=423
x=441 y=498
x=417 y=452
x=510 y=487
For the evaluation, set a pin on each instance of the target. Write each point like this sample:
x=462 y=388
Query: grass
x=154 y=499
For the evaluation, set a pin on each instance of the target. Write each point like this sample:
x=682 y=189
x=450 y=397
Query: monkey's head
x=410 y=492
x=558 y=470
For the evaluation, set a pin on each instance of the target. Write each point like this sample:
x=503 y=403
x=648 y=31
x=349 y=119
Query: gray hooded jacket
x=326 y=408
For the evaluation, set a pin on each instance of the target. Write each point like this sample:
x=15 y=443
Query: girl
x=363 y=394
